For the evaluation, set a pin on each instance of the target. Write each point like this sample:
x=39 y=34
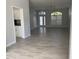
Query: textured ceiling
x=50 y=3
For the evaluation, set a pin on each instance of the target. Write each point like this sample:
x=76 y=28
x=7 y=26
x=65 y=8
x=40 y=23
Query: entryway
x=42 y=18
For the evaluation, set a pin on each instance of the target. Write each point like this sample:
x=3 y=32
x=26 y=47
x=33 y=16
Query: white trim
x=10 y=43
x=26 y=36
x=15 y=7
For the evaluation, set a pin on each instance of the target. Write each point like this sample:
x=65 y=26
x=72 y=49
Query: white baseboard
x=27 y=36
x=24 y=37
x=10 y=43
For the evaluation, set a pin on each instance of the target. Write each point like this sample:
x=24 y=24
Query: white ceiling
x=50 y=3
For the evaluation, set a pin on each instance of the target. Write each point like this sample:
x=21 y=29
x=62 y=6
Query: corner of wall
x=24 y=37
x=11 y=43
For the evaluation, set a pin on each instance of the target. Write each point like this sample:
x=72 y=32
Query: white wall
x=10 y=35
x=65 y=19
x=33 y=19
x=16 y=12
x=10 y=32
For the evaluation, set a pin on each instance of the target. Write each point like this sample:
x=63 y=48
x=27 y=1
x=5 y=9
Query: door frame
x=43 y=20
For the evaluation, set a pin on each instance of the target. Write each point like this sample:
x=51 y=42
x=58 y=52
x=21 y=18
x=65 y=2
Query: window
x=56 y=13
x=56 y=18
x=42 y=13
x=44 y=20
x=41 y=20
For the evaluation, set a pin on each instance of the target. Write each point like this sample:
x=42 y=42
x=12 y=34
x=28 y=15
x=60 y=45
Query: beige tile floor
x=43 y=44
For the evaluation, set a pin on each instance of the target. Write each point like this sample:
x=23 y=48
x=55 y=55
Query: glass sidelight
x=42 y=20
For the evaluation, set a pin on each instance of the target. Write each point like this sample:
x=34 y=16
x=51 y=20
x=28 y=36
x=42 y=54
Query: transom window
x=42 y=13
x=56 y=13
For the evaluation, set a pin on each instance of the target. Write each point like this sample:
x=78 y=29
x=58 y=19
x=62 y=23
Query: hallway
x=44 y=43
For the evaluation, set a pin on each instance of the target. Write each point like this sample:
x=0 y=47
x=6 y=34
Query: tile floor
x=44 y=43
